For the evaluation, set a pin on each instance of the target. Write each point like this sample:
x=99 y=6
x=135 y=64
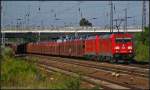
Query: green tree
x=143 y=36
x=29 y=37
x=84 y=22
x=142 y=45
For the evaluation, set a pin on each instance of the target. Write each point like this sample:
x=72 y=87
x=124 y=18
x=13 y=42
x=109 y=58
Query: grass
x=18 y=73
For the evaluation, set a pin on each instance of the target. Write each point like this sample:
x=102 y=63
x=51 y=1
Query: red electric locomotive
x=91 y=47
x=116 y=47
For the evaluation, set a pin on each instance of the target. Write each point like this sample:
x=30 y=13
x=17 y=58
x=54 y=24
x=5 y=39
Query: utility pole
x=80 y=12
x=39 y=36
x=25 y=19
x=42 y=26
x=143 y=15
x=126 y=20
x=28 y=14
x=111 y=16
x=143 y=18
x=39 y=33
x=118 y=24
x=125 y=24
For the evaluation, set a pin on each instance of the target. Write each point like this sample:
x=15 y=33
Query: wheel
x=95 y=58
x=112 y=60
x=108 y=58
x=127 y=61
x=100 y=58
x=104 y=59
x=116 y=61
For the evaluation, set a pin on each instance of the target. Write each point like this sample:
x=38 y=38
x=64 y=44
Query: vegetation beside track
x=18 y=73
x=142 y=46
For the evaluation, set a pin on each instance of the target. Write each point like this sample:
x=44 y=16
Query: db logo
x=123 y=47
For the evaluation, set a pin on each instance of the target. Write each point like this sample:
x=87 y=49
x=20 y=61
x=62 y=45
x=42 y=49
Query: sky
x=44 y=13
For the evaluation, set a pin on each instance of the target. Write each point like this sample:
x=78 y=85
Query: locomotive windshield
x=123 y=40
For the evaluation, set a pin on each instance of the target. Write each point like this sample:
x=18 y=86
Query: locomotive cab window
x=123 y=40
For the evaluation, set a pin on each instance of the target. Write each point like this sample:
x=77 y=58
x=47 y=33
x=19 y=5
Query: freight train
x=110 y=47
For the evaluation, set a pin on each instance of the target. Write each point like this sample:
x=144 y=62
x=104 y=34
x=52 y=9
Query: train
x=111 y=47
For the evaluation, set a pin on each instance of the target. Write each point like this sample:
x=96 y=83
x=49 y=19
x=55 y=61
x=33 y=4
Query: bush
x=6 y=53
x=18 y=73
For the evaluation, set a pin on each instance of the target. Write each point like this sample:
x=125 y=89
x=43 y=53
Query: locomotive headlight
x=117 y=47
x=117 y=51
x=129 y=47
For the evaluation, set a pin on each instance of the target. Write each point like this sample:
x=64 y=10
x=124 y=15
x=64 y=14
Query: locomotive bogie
x=123 y=56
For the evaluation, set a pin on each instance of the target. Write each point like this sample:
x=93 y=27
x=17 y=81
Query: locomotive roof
x=115 y=34
x=105 y=36
x=91 y=37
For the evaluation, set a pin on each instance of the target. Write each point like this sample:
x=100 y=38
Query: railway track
x=84 y=84
x=138 y=71
x=125 y=80
x=90 y=82
x=146 y=66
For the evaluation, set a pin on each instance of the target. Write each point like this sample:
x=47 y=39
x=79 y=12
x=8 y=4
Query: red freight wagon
x=47 y=48
x=50 y=48
x=80 y=47
x=41 y=47
x=57 y=48
x=38 y=48
x=55 y=45
x=66 y=48
x=76 y=47
x=62 y=48
x=29 y=48
x=72 y=49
